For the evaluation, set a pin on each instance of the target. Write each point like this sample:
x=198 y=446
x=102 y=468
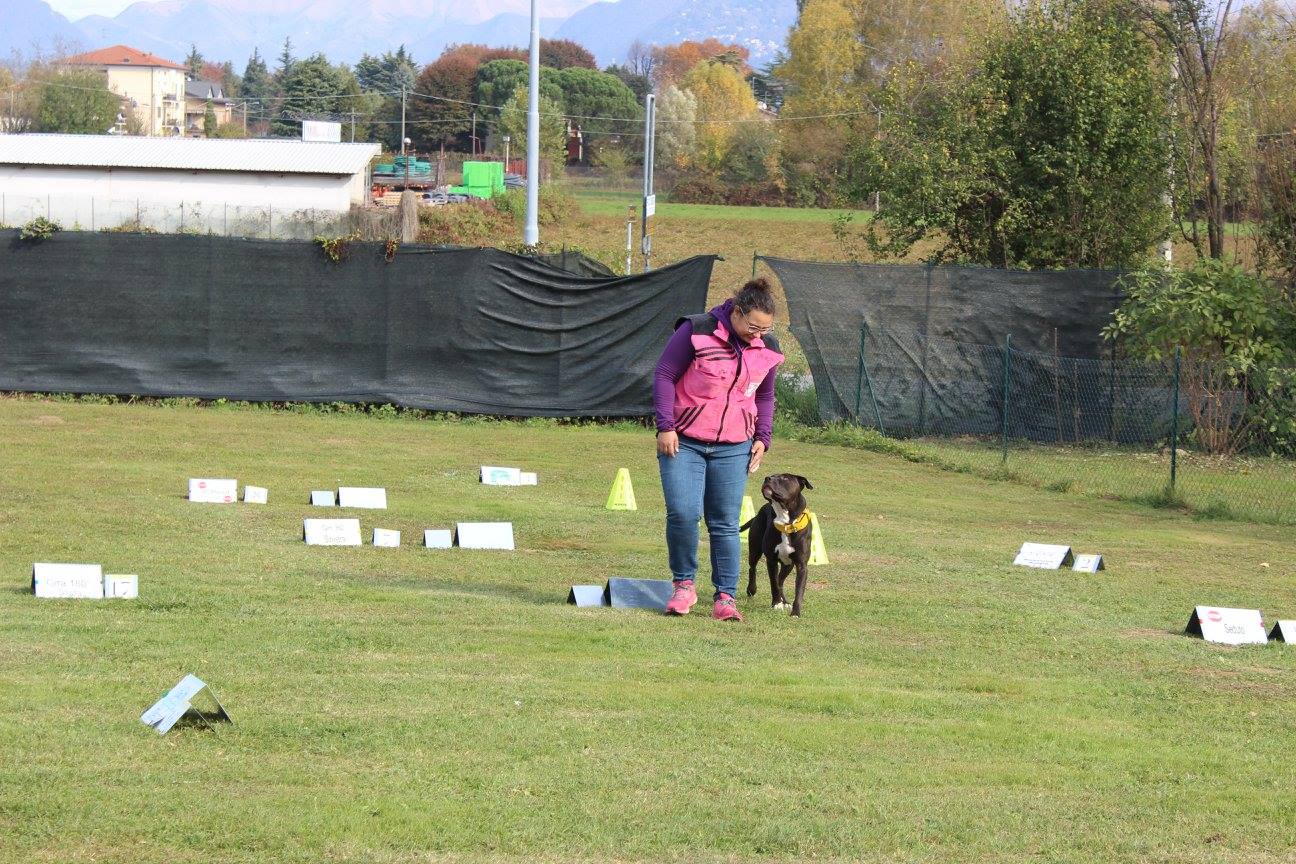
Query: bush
x=473 y=223
x=556 y=206
x=701 y=188
x=39 y=229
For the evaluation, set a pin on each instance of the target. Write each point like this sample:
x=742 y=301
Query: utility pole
x=507 y=138
x=649 y=199
x=353 y=119
x=531 y=233
x=403 y=138
x=474 y=134
x=245 y=116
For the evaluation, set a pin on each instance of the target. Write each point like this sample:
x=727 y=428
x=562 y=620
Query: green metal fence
x=1114 y=427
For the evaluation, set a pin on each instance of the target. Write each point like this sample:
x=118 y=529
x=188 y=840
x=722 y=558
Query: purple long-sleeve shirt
x=675 y=360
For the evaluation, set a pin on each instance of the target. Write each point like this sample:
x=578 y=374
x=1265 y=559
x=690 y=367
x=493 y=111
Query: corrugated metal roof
x=266 y=156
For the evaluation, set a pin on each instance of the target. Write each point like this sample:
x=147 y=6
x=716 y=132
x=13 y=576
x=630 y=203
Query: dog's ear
x=805 y=484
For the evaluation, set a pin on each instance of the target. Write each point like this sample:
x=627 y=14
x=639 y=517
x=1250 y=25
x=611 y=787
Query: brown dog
x=781 y=532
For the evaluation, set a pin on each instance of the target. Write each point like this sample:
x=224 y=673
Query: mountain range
x=344 y=30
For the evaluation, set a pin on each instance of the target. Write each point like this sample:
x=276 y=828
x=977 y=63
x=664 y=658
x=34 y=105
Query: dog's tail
x=743 y=527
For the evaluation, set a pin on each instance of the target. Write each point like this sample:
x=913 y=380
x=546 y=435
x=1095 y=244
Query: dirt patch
x=48 y=420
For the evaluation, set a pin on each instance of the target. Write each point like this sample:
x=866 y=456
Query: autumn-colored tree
x=564 y=53
x=672 y=62
x=723 y=99
x=440 y=113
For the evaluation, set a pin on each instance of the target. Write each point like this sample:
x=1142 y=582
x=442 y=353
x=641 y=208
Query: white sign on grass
x=322 y=498
x=528 y=479
x=1045 y=556
x=1227 y=626
x=493 y=475
x=255 y=495
x=117 y=586
x=332 y=532
x=1284 y=631
x=386 y=537
x=1089 y=564
x=81 y=581
x=484 y=535
x=362 y=497
x=179 y=701
x=209 y=491
x=437 y=539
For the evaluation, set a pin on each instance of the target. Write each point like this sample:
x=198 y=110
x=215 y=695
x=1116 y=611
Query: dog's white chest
x=784 y=548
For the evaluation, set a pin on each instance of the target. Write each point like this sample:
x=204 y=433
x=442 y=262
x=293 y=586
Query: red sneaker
x=683 y=598
x=725 y=609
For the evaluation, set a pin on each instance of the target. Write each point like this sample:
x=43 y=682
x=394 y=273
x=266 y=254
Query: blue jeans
x=705 y=480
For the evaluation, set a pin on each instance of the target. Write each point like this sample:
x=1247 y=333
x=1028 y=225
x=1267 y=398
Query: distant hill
x=346 y=29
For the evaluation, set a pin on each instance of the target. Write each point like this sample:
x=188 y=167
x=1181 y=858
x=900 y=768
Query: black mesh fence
x=1021 y=405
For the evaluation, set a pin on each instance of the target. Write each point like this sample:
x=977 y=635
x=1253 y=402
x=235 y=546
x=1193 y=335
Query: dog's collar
x=797 y=524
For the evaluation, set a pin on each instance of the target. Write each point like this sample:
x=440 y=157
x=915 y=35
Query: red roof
x=121 y=55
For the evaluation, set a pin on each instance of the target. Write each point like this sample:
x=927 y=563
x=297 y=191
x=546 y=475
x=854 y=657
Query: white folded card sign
x=386 y=537
x=528 y=479
x=1227 y=626
x=206 y=491
x=322 y=498
x=1088 y=563
x=255 y=495
x=81 y=581
x=437 y=539
x=484 y=535
x=332 y=532
x=179 y=702
x=1284 y=631
x=120 y=587
x=492 y=475
x=1043 y=556
x=361 y=496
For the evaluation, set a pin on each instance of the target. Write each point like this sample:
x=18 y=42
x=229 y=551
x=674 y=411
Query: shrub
x=40 y=229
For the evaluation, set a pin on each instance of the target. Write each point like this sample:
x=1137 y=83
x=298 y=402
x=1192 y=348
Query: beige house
x=197 y=95
x=153 y=88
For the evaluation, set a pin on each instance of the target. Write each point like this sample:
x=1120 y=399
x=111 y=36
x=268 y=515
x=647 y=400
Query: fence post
x=1007 y=388
x=859 y=367
x=754 y=276
x=1174 y=427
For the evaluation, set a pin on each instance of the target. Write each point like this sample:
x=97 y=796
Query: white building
x=151 y=87
x=199 y=184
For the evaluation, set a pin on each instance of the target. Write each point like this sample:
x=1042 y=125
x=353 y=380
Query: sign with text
x=1088 y=564
x=484 y=535
x=639 y=593
x=190 y=697
x=435 y=538
x=256 y=495
x=118 y=586
x=68 y=581
x=386 y=537
x=362 y=497
x=322 y=498
x=1044 y=556
x=650 y=205
x=1227 y=626
x=331 y=532
x=322 y=130
x=209 y=491
x=493 y=475
x=1284 y=631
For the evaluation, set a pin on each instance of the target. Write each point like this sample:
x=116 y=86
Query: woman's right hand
x=667 y=443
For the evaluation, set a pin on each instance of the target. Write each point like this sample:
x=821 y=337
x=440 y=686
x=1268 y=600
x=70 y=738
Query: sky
x=75 y=9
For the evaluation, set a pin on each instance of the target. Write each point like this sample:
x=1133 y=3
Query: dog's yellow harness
x=797 y=524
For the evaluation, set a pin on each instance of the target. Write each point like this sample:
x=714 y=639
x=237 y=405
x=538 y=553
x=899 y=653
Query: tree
x=553 y=128
x=672 y=62
x=195 y=62
x=676 y=127
x=498 y=80
x=286 y=59
x=386 y=78
x=639 y=85
x=77 y=101
x=600 y=102
x=209 y=120
x=442 y=116
x=1197 y=33
x=723 y=99
x=753 y=155
x=564 y=53
x=640 y=59
x=1050 y=153
x=231 y=83
x=313 y=88
x=257 y=84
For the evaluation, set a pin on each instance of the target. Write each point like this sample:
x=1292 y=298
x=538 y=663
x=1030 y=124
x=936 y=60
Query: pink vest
x=715 y=398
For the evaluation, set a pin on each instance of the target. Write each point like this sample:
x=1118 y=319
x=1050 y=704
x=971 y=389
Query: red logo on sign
x=1215 y=616
x=202 y=485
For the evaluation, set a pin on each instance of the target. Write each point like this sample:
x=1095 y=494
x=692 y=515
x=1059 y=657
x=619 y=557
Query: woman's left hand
x=757 y=454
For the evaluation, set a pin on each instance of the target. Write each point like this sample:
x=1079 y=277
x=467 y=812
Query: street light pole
x=531 y=234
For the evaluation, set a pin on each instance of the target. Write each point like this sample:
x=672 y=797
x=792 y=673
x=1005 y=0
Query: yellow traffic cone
x=622 y=496
x=748 y=511
x=818 y=552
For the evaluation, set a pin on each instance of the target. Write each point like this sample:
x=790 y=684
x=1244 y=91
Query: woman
x=714 y=397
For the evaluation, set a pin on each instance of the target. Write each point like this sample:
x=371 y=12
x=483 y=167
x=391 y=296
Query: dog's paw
x=780 y=606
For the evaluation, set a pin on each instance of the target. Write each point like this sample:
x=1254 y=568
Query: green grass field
x=411 y=705
x=608 y=202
